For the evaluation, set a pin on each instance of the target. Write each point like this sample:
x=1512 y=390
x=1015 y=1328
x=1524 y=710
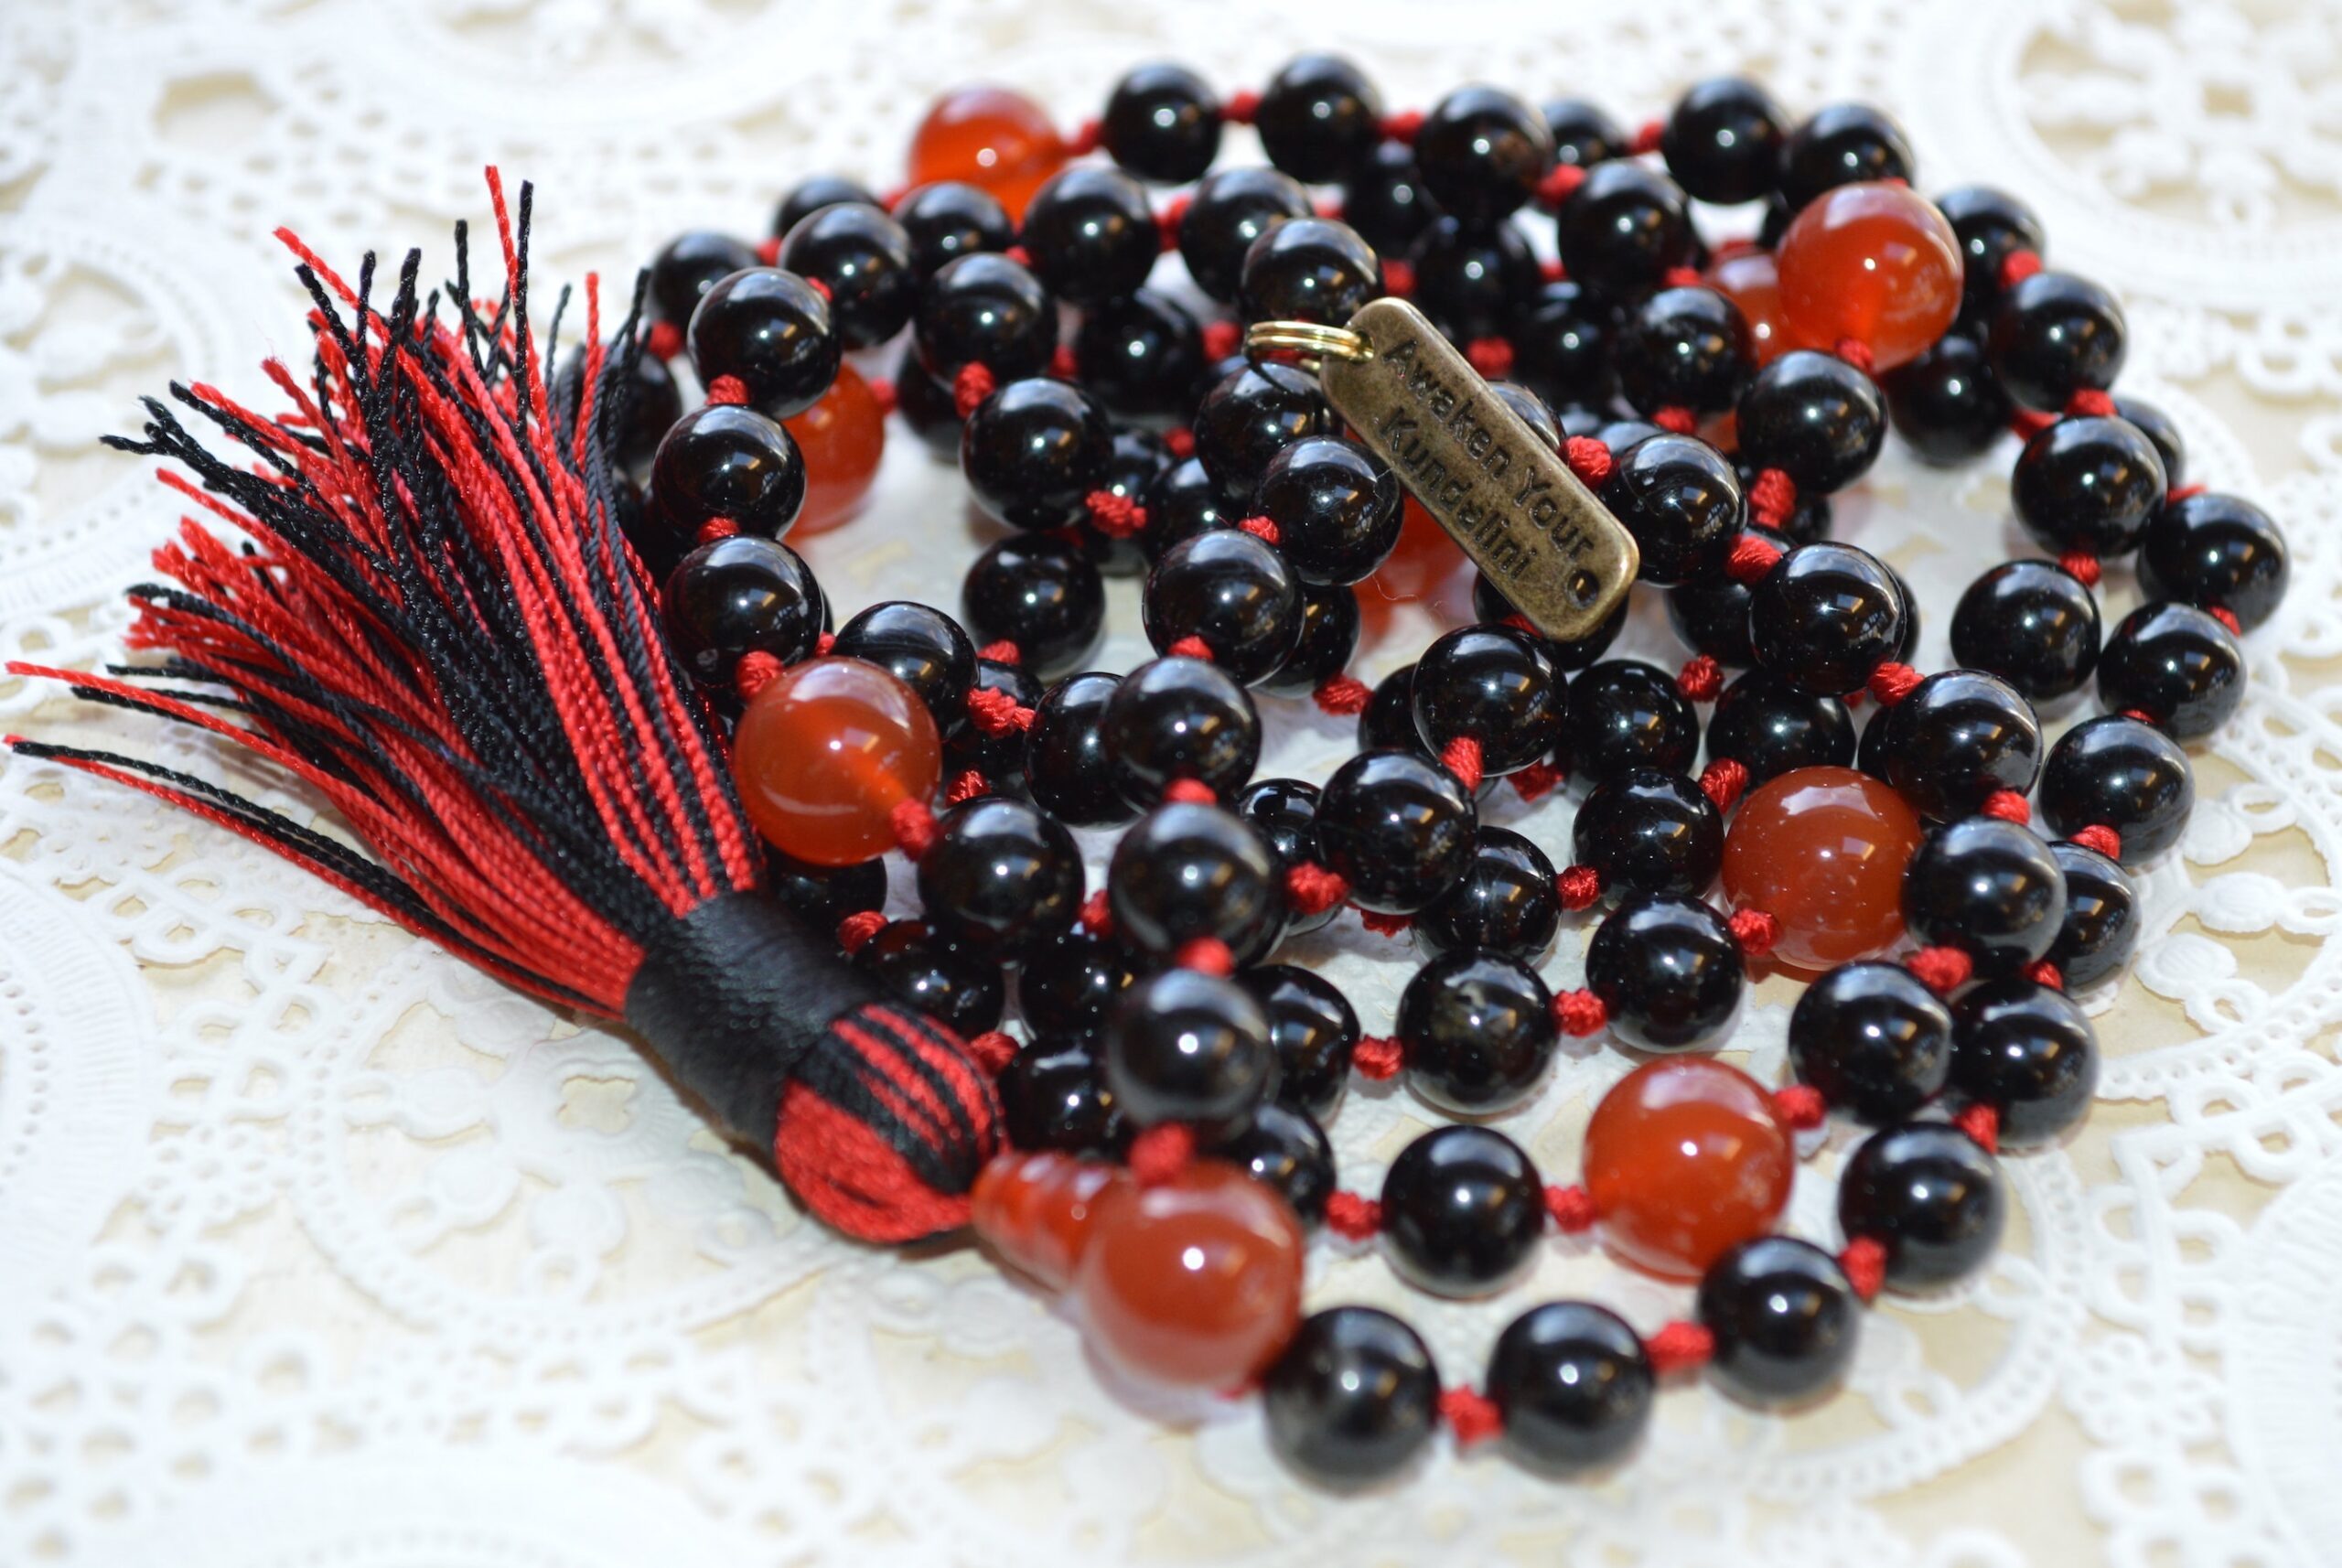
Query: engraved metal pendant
x=1547 y=545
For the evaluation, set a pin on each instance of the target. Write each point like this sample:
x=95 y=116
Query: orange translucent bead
x=1823 y=850
x=1750 y=282
x=841 y=436
x=1195 y=1284
x=990 y=137
x=1684 y=1159
x=826 y=751
x=1425 y=556
x=1038 y=1210
x=1873 y=262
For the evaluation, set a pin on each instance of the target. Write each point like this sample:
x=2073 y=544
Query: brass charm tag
x=1508 y=500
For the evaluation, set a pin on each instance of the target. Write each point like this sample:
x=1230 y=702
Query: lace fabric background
x=315 y=1246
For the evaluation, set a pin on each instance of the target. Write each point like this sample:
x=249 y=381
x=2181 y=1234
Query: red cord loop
x=1492 y=356
x=1240 y=107
x=2082 y=568
x=1560 y=183
x=2008 y=806
x=1262 y=529
x=1755 y=930
x=1311 y=889
x=1701 y=680
x=1167 y=222
x=1461 y=757
x=1723 y=781
x=2090 y=403
x=1580 y=887
x=858 y=927
x=1579 y=1013
x=754 y=673
x=727 y=390
x=2041 y=971
x=1002 y=652
x=1221 y=339
x=1940 y=970
x=1589 y=459
x=1098 y=915
x=1864 y=1262
x=1383 y=925
x=1856 y=352
x=1648 y=135
x=913 y=824
x=2226 y=617
x=1892 y=681
x=995 y=713
x=1398 y=278
x=1801 y=1106
x=1752 y=556
x=1205 y=955
x=993 y=1050
x=1403 y=126
x=968 y=784
x=1190 y=647
x=1115 y=516
x=1679 y=1346
x=970 y=388
x=1161 y=1152
x=1472 y=1416
x=1342 y=695
x=1351 y=1216
x=1982 y=1123
x=1190 y=793
x=1537 y=780
x=1772 y=496
x=1680 y=421
x=2017 y=266
x=1571 y=1208
x=663 y=341
x=1378 y=1057
x=2101 y=838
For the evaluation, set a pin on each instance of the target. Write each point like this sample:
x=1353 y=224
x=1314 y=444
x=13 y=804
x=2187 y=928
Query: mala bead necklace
x=668 y=804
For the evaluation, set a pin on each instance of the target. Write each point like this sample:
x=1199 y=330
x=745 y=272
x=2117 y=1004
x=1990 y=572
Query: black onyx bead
x=1668 y=971
x=1573 y=1385
x=1091 y=234
x=1769 y=727
x=1947 y=403
x=1810 y=520
x=1990 y=226
x=2216 y=550
x=772 y=332
x=1234 y=592
x=2176 y=665
x=1283 y=811
x=918 y=969
x=1183 y=1045
x=1462 y=1211
x=1477 y=1032
x=862 y=257
x=722 y=460
x=1623 y=714
x=2115 y=772
x=1989 y=888
x=1183 y=872
x=808 y=197
x=2088 y=485
x=1286 y=1151
x=1958 y=737
x=1313 y=1032
x=922 y=647
x=1252 y=416
x=824 y=895
x=1493 y=685
x=985 y=309
x=927 y=406
x=1066 y=754
x=1319 y=118
x=692 y=264
x=1471 y=280
x=1560 y=344
x=1034 y=451
x=1928 y=1194
x=1002 y=879
x=1684 y=348
x=652 y=402
x=2031 y=623
x=1352 y=1399
x=1328 y=637
x=2161 y=429
x=1039 y=592
x=949 y=219
x=2102 y=916
x=1162 y=124
x=998 y=758
x=1618 y=434
x=1582 y=134
x=1177 y=718
x=1183 y=503
x=1307 y=269
x=1385 y=199
x=1681 y=499
x=1388 y=721
x=1140 y=356
x=1825 y=617
x=1489 y=604
x=1622 y=228
x=1053 y=1095
x=1722 y=141
x=1399 y=828
x=1069 y=986
x=1504 y=904
x=1645 y=830
x=740 y=595
x=1815 y=417
x=1229 y=210
x=2054 y=335
x=2029 y=1053
x=1138 y=462
x=1482 y=151
x=1872 y=1040
x=1783 y=1320
x=1710 y=614
x=1844 y=144
x=1335 y=505
x=1531 y=410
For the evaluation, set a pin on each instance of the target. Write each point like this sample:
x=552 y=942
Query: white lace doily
x=315 y=1246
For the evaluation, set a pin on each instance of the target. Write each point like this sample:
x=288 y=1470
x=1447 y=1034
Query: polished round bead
x=1053 y=1095
x=1384 y=198
x=1462 y=1211
x=1162 y=124
x=1931 y=1196
x=1425 y=560
x=1683 y=348
x=1140 y=355
x=1875 y=1042
x=1991 y=226
x=2054 y=335
x=1397 y=828
x=1624 y=714
x=1669 y=971
x=1471 y=280
x=1336 y=506
x=824 y=895
x=1844 y=144
x=1228 y=211
x=1090 y=235
x=1285 y=1151
x=1874 y=263
x=1491 y=604
x=1387 y=723
x=1037 y=1210
x=2176 y=664
x=2104 y=918
x=1494 y=686
x=2029 y=623
x=1353 y=1400
x=1002 y=879
x=1183 y=1045
x=1825 y=617
x=987 y=310
x=918 y=969
x=2216 y=551
x=1307 y=269
x=825 y=753
x=1066 y=754
x=1253 y=415
x=921 y=646
x=1177 y=718
x=1504 y=903
x=687 y=267
x=1069 y=986
x=949 y=219
x=1184 y=502
x=927 y=406
x=1184 y=872
x=771 y=332
x=1623 y=229
x=1710 y=614
x=1482 y=151
x=842 y=438
x=1235 y=592
x=2118 y=773
x=1815 y=417
x=1041 y=594
x=2088 y=485
x=1782 y=1319
x=1573 y=1385
x=744 y=595
x=1753 y=283
x=1769 y=727
x=1681 y=499
x=997 y=140
x=1989 y=888
x=2160 y=428
x=1477 y=1032
x=861 y=258
x=1034 y=451
x=724 y=461
x=2029 y=1053
x=1583 y=134
x=1283 y=811
x=1194 y=1284
x=1722 y=141
x=1960 y=737
x=1318 y=118
x=1645 y=830
x=1823 y=850
x=1561 y=343
x=1330 y=623
x=1313 y=1030
x=1947 y=403
x=1686 y=1159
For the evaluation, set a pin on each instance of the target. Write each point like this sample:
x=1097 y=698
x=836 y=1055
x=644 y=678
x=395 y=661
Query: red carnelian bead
x=825 y=752
x=1750 y=282
x=1038 y=1210
x=1425 y=555
x=1195 y=1282
x=1684 y=1159
x=842 y=438
x=1823 y=850
x=1872 y=262
x=991 y=138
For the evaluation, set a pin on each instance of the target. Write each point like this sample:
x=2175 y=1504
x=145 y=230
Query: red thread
x=1262 y=529
x=754 y=673
x=1190 y=647
x=1752 y=556
x=1472 y=1416
x=727 y=390
x=995 y=713
x=1579 y=1013
x=1062 y=367
x=1755 y=930
x=968 y=784
x=2226 y=617
x=1571 y=1208
x=1221 y=339
x=2081 y=567
x=2181 y=492
x=1589 y=459
x=1190 y=793
x=1162 y=1152
x=1180 y=441
x=1378 y=1057
x=663 y=341
x=2101 y=838
x=1097 y=915
x=1682 y=421
x=991 y=1050
x=2090 y=403
x=859 y=928
x=1982 y=1123
x=1679 y=1345
x=2017 y=266
x=820 y=287
x=1648 y=135
x=2028 y=423
x=1084 y=139
x=1311 y=889
x=1772 y=496
x=1537 y=780
x=882 y=393
x=1383 y=925
x=1205 y=955
x=1167 y=222
x=1342 y=695
x=1115 y=516
x=1462 y=757
x=970 y=388
x=1492 y=356
x=1940 y=970
x=1892 y=682
x=1553 y=271
x=1019 y=254
x=1801 y=1106
x=1579 y=887
x=1681 y=277
x=1864 y=1264
x=2139 y=716
x=1723 y=781
x=1351 y=1216
x=1701 y=680
x=1240 y=107
x=1856 y=352
x=1002 y=652
x=2041 y=971
x=716 y=528
x=1398 y=277
x=1403 y=126
x=2008 y=806
x=913 y=824
x=824 y=643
